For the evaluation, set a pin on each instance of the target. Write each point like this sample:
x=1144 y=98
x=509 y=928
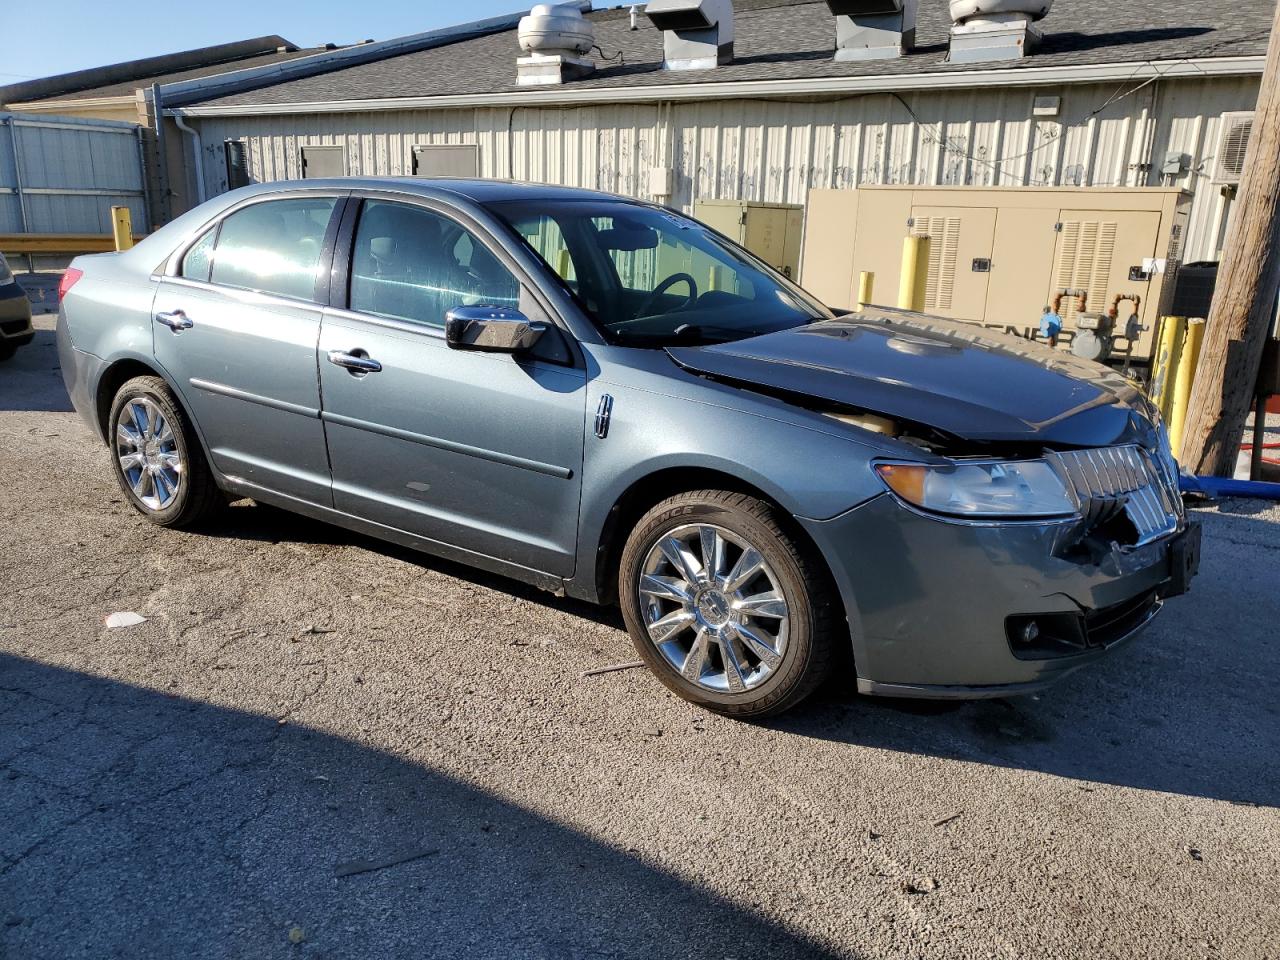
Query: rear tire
x=741 y=643
x=157 y=458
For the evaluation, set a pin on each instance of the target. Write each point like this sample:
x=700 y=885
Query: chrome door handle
x=354 y=362
x=175 y=320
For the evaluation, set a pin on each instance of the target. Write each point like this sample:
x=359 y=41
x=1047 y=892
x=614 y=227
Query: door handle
x=175 y=320
x=358 y=363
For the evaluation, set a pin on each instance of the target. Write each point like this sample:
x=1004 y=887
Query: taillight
x=68 y=281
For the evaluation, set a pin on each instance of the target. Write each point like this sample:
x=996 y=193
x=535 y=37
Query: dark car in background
x=15 y=313
x=607 y=399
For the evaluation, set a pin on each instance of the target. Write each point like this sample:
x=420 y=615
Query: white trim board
x=736 y=89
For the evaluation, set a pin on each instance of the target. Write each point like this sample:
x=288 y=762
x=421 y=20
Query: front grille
x=1111 y=480
x=12 y=327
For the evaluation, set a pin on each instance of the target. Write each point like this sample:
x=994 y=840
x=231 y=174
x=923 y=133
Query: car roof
x=476 y=190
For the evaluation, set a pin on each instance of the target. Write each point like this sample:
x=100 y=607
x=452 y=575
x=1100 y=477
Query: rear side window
x=199 y=257
x=274 y=247
x=411 y=264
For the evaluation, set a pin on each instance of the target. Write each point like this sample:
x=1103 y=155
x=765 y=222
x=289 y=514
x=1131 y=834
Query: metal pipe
x=162 y=159
x=1079 y=293
x=23 y=215
x=1259 y=436
x=142 y=173
x=1114 y=310
x=198 y=148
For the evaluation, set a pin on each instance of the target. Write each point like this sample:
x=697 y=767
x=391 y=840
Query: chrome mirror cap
x=495 y=329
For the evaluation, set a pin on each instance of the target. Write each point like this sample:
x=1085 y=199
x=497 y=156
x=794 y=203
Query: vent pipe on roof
x=557 y=38
x=696 y=34
x=873 y=29
x=995 y=29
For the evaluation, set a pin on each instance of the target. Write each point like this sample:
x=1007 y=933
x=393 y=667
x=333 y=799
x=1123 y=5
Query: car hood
x=960 y=378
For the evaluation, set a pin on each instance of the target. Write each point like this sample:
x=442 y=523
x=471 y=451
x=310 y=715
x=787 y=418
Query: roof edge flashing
x=141 y=69
x=995 y=76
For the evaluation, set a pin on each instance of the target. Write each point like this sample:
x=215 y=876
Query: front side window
x=409 y=263
x=199 y=256
x=274 y=247
x=650 y=277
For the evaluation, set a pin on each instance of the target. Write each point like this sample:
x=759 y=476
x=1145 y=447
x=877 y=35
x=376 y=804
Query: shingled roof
x=794 y=39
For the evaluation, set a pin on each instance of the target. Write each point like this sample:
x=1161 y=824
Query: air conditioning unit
x=1233 y=141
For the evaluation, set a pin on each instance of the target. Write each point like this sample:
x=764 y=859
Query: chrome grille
x=1107 y=480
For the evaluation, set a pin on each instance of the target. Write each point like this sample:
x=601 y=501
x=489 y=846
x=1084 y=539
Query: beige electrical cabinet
x=998 y=256
x=772 y=231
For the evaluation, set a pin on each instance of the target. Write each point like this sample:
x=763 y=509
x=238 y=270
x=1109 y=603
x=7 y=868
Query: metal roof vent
x=696 y=34
x=995 y=29
x=557 y=38
x=873 y=29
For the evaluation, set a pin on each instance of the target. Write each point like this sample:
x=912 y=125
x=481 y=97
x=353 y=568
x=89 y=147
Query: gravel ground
x=317 y=745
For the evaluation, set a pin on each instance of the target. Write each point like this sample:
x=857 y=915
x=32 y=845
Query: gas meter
x=1093 y=337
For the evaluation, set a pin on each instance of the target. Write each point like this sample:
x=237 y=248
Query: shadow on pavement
x=32 y=378
x=1150 y=716
x=1189 y=707
x=247 y=520
x=138 y=825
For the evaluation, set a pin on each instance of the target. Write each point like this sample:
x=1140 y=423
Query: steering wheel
x=664 y=286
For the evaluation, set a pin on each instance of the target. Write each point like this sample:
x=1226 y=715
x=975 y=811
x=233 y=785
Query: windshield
x=650 y=277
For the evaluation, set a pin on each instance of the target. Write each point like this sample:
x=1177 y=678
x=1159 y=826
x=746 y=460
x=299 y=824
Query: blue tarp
x=1227 y=487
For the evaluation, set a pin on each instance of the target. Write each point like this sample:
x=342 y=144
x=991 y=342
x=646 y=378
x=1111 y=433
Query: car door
x=480 y=451
x=236 y=325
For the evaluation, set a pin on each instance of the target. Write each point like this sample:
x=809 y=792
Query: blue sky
x=97 y=32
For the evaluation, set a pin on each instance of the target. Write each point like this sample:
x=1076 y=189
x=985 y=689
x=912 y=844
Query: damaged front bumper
x=956 y=609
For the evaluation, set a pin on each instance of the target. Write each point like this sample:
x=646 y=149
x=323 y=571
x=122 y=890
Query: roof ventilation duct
x=696 y=34
x=995 y=29
x=873 y=29
x=557 y=38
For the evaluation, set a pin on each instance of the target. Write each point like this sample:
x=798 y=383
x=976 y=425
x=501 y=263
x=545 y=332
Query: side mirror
x=491 y=328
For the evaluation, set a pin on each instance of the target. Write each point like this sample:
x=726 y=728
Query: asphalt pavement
x=317 y=745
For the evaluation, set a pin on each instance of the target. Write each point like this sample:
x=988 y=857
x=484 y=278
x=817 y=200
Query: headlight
x=6 y=275
x=1023 y=488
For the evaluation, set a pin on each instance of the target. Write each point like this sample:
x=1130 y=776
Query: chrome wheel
x=148 y=454
x=713 y=608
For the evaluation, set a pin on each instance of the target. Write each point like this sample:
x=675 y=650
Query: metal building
x=1106 y=99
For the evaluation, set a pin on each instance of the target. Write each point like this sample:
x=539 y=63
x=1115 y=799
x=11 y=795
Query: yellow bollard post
x=563 y=264
x=122 y=227
x=1171 y=330
x=1182 y=383
x=866 y=283
x=915 y=273
x=1175 y=369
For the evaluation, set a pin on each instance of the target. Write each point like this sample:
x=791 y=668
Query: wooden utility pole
x=1244 y=301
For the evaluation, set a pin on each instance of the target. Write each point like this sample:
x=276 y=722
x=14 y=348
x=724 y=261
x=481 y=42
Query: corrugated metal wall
x=775 y=151
x=64 y=174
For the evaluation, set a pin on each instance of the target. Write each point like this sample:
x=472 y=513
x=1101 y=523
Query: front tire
x=730 y=609
x=157 y=458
